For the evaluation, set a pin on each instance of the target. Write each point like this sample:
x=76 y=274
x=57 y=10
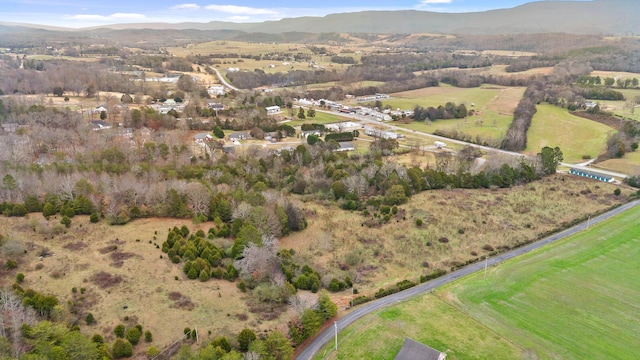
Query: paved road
x=224 y=82
x=367 y=308
x=371 y=120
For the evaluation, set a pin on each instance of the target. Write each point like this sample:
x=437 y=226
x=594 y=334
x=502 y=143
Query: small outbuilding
x=413 y=350
x=591 y=175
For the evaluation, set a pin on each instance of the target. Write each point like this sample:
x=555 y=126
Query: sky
x=87 y=13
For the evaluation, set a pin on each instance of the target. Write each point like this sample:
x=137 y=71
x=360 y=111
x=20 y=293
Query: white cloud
x=240 y=10
x=239 y=18
x=185 y=7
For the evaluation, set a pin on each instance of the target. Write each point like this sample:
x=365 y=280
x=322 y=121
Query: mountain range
x=602 y=17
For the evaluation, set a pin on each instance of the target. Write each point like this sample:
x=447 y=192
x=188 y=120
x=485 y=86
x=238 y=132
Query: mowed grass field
x=628 y=164
x=553 y=126
x=628 y=108
x=575 y=299
x=493 y=107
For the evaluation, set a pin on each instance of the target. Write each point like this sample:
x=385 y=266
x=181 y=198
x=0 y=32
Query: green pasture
x=491 y=125
x=627 y=108
x=628 y=164
x=320 y=118
x=427 y=319
x=441 y=95
x=575 y=299
x=575 y=136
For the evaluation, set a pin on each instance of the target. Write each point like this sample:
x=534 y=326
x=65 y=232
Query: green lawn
x=626 y=108
x=441 y=95
x=554 y=126
x=575 y=299
x=427 y=319
x=320 y=118
x=491 y=125
x=493 y=107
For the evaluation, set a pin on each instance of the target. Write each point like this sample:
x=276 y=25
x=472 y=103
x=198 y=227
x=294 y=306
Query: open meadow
x=577 y=137
x=574 y=299
x=628 y=164
x=628 y=108
x=118 y=272
x=493 y=107
x=458 y=225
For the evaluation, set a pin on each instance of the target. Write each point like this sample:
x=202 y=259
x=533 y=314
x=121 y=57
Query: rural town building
x=413 y=350
x=591 y=175
x=272 y=110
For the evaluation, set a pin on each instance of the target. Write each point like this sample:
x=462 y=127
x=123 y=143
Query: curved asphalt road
x=224 y=82
x=362 y=310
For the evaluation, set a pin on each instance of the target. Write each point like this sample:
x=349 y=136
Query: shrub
x=242 y=286
x=66 y=221
x=89 y=319
x=10 y=264
x=148 y=337
x=432 y=275
x=97 y=339
x=152 y=352
x=133 y=335
x=443 y=240
x=121 y=349
x=616 y=192
x=245 y=338
x=487 y=247
x=94 y=218
x=418 y=222
x=204 y=275
x=119 y=330
x=20 y=278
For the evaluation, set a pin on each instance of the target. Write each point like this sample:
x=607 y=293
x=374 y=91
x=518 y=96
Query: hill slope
x=578 y=17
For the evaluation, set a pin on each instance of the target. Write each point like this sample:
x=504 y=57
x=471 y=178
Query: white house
x=272 y=110
x=215 y=90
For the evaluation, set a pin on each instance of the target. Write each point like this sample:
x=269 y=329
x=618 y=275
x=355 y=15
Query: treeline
x=448 y=111
x=257 y=78
x=426 y=61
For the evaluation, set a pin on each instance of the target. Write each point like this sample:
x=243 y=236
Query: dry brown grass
x=145 y=288
x=138 y=287
x=473 y=222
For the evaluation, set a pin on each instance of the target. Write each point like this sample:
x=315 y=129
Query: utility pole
x=588 y=220
x=486 y=260
x=335 y=326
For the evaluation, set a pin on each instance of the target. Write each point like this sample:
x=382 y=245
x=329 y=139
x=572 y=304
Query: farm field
x=555 y=298
x=627 y=109
x=380 y=335
x=575 y=136
x=629 y=164
x=493 y=105
x=543 y=305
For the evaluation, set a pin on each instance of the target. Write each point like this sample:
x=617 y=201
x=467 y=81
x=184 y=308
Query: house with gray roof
x=413 y=350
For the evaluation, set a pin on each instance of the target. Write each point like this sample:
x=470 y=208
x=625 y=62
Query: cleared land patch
x=575 y=136
x=554 y=299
